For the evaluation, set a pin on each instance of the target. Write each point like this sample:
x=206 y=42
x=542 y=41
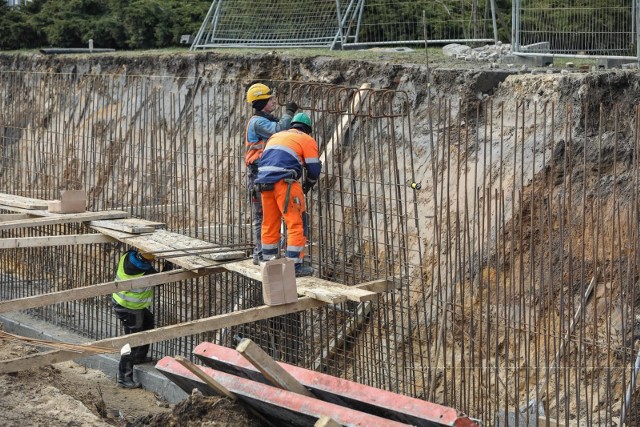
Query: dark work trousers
x=133 y=321
x=256 y=210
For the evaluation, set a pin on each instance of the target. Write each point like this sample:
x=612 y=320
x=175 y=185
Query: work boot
x=257 y=259
x=303 y=270
x=128 y=383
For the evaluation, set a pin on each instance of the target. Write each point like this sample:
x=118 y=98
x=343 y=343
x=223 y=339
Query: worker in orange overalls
x=281 y=166
x=260 y=127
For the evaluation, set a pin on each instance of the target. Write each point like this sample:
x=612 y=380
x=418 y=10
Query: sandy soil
x=68 y=394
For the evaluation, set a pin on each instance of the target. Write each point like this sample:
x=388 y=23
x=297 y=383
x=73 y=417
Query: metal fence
x=345 y=23
x=510 y=232
x=582 y=28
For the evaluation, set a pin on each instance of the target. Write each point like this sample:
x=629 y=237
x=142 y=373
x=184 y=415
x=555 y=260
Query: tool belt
x=260 y=187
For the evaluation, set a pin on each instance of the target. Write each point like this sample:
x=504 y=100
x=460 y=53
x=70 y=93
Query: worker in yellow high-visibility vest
x=132 y=308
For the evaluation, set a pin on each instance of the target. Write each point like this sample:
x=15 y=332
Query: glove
x=167 y=266
x=291 y=108
x=307 y=185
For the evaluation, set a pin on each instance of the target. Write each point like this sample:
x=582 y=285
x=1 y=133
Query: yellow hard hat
x=257 y=92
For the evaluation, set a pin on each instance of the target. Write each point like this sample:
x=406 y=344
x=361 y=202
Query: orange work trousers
x=273 y=208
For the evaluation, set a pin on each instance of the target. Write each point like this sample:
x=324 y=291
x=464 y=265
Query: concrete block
x=186 y=39
x=532 y=61
x=279 y=282
x=613 y=62
x=71 y=201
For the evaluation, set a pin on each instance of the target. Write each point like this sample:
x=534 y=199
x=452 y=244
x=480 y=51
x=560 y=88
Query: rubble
x=487 y=53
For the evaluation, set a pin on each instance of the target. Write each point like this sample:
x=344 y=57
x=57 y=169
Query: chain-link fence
x=345 y=23
x=581 y=28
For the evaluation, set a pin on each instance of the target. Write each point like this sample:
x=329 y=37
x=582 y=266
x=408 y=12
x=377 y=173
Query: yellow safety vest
x=137 y=299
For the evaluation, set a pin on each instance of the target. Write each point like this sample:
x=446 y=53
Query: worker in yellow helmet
x=260 y=127
x=132 y=308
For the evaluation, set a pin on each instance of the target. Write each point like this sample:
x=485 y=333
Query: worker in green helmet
x=286 y=156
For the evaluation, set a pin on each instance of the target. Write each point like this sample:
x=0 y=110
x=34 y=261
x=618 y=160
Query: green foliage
x=120 y=24
x=144 y=24
x=18 y=31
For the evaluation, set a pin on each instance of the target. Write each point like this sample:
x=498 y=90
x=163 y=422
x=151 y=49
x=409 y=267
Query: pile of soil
x=199 y=411
x=68 y=394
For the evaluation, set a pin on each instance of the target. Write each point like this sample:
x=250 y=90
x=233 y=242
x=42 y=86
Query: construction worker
x=132 y=308
x=281 y=166
x=259 y=129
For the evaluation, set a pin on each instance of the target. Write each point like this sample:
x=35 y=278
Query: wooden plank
x=162 y=334
x=322 y=294
x=269 y=368
x=54 y=219
x=326 y=421
x=98 y=290
x=21 y=210
x=219 y=388
x=283 y=407
x=13 y=217
x=127 y=225
x=162 y=240
x=46 y=241
x=340 y=391
x=22 y=202
x=312 y=286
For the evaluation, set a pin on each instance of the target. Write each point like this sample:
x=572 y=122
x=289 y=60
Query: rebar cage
x=510 y=232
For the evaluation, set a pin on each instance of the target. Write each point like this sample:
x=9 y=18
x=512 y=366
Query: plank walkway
x=189 y=253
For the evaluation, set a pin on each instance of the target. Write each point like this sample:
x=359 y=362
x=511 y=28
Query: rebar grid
x=515 y=261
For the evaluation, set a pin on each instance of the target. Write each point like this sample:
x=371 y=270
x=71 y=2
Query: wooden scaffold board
x=193 y=327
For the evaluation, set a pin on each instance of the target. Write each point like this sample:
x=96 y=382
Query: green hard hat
x=301 y=118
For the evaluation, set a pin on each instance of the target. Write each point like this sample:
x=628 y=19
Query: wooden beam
x=127 y=225
x=283 y=407
x=219 y=388
x=193 y=327
x=13 y=217
x=99 y=290
x=313 y=286
x=22 y=202
x=326 y=421
x=269 y=368
x=329 y=388
x=163 y=240
x=54 y=219
x=45 y=241
x=21 y=210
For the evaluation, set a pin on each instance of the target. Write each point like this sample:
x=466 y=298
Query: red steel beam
x=340 y=391
x=280 y=405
